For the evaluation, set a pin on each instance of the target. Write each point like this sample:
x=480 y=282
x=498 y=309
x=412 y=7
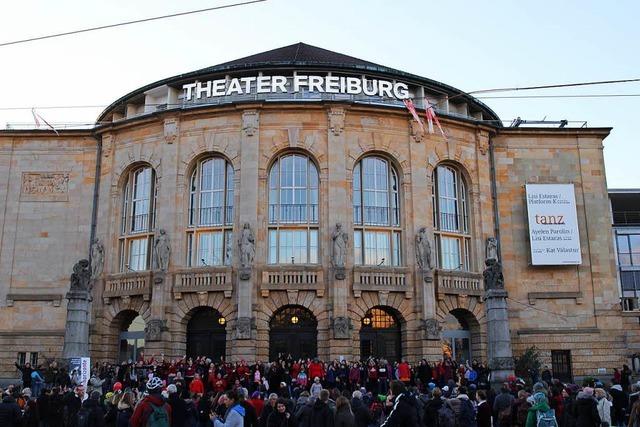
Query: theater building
x=287 y=202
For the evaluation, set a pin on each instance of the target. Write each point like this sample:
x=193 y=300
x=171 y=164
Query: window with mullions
x=376 y=213
x=138 y=219
x=451 y=219
x=293 y=210
x=209 y=239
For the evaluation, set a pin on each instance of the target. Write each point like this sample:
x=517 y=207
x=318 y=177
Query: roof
x=300 y=56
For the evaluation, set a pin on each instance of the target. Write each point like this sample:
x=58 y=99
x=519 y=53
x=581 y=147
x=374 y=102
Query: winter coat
x=321 y=415
x=604 y=410
x=276 y=419
x=532 y=416
x=124 y=415
x=250 y=414
x=345 y=418
x=431 y=409
x=233 y=418
x=586 y=412
x=361 y=413
x=144 y=409
x=96 y=413
x=484 y=415
x=178 y=410
x=10 y=414
x=302 y=412
x=404 y=413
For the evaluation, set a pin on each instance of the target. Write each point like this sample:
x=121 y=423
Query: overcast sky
x=470 y=45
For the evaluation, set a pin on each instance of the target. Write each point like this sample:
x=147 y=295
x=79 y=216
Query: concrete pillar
x=76 y=334
x=499 y=348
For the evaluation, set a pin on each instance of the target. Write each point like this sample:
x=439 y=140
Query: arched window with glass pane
x=451 y=219
x=293 y=210
x=376 y=213
x=137 y=219
x=209 y=237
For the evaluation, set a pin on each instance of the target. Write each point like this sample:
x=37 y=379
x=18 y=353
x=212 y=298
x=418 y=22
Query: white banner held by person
x=553 y=224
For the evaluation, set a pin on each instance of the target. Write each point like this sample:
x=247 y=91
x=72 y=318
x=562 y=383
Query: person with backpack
x=540 y=414
x=91 y=413
x=152 y=411
x=520 y=410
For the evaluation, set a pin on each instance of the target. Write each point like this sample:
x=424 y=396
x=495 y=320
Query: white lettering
x=385 y=88
x=299 y=81
x=247 y=83
x=200 y=90
x=332 y=84
x=219 y=87
x=264 y=83
x=354 y=85
x=189 y=87
x=279 y=82
x=315 y=84
x=401 y=91
x=234 y=87
x=374 y=87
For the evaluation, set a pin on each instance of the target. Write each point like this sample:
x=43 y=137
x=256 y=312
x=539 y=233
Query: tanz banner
x=553 y=224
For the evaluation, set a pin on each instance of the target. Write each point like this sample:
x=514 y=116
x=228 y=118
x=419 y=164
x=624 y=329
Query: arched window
x=293 y=210
x=451 y=219
x=138 y=219
x=209 y=238
x=376 y=213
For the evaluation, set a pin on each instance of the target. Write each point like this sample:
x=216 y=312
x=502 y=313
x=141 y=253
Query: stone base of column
x=500 y=354
x=76 y=335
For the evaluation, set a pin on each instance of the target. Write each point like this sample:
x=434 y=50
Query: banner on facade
x=553 y=224
x=83 y=365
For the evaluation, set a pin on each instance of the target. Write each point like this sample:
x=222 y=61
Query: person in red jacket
x=196 y=386
x=316 y=369
x=404 y=372
x=151 y=406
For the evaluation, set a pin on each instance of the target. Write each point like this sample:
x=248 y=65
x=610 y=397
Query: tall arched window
x=376 y=213
x=209 y=238
x=138 y=219
x=293 y=210
x=451 y=219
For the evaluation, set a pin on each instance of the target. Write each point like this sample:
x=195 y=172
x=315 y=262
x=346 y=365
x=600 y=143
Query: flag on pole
x=37 y=117
x=412 y=109
x=431 y=117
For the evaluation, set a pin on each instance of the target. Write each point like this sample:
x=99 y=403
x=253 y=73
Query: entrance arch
x=293 y=330
x=460 y=335
x=206 y=334
x=131 y=336
x=380 y=334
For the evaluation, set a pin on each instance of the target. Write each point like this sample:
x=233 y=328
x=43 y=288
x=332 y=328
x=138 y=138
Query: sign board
x=553 y=224
x=293 y=84
x=83 y=365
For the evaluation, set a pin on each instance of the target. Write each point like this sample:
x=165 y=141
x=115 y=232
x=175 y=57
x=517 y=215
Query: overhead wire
x=136 y=21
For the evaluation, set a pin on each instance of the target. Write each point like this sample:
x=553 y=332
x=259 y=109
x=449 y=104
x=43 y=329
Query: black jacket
x=10 y=414
x=276 y=419
x=361 y=413
x=178 y=410
x=585 y=411
x=96 y=417
x=431 y=409
x=26 y=375
x=321 y=415
x=404 y=412
x=250 y=414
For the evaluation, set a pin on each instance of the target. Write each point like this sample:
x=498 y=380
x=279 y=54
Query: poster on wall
x=553 y=224
x=83 y=367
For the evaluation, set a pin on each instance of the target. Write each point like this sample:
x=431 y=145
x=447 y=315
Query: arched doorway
x=458 y=335
x=293 y=330
x=206 y=334
x=380 y=335
x=131 y=338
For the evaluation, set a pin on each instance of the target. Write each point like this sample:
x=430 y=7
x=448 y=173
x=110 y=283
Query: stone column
x=76 y=334
x=248 y=217
x=498 y=334
x=340 y=234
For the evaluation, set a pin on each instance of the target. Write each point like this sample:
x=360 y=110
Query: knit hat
x=539 y=397
x=117 y=386
x=588 y=391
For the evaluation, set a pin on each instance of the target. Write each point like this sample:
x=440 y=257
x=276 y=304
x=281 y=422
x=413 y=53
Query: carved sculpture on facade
x=336 y=121
x=162 y=249
x=342 y=327
x=424 y=256
x=432 y=329
x=339 y=254
x=250 y=122
x=492 y=275
x=492 y=248
x=416 y=131
x=97 y=259
x=81 y=277
x=153 y=330
x=243 y=328
x=247 y=251
x=170 y=130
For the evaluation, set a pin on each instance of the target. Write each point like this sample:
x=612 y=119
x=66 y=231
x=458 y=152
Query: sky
x=470 y=45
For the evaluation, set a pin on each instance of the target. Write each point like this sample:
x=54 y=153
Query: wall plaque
x=44 y=186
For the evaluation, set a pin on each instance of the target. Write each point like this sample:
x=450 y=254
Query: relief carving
x=250 y=120
x=52 y=186
x=336 y=121
x=417 y=133
x=171 y=130
x=342 y=328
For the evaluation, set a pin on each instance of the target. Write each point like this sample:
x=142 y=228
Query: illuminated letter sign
x=553 y=224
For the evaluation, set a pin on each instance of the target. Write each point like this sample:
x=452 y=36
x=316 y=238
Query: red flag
x=431 y=117
x=412 y=108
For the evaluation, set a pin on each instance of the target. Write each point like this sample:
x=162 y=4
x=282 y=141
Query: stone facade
x=47 y=190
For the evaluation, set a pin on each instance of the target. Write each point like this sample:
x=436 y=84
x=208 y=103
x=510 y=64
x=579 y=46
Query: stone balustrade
x=292 y=278
x=127 y=285
x=381 y=279
x=456 y=282
x=203 y=279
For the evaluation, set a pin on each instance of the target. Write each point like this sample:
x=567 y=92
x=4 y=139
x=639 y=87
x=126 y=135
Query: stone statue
x=247 y=251
x=97 y=259
x=81 y=277
x=162 y=250
x=341 y=327
x=153 y=330
x=432 y=329
x=340 y=239
x=492 y=248
x=423 y=250
x=492 y=274
x=243 y=328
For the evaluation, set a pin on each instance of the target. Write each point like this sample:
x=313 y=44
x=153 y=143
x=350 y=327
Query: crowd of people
x=199 y=392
